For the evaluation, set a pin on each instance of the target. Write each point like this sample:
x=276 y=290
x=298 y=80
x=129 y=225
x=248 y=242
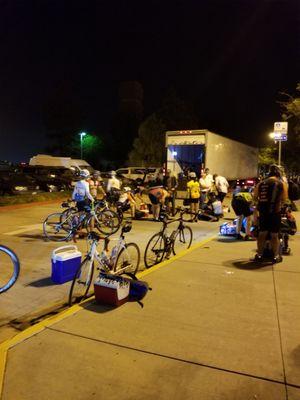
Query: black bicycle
x=9 y=268
x=161 y=245
x=63 y=226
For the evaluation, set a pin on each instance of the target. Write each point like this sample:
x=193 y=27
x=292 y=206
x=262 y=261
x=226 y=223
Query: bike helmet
x=192 y=174
x=84 y=173
x=127 y=189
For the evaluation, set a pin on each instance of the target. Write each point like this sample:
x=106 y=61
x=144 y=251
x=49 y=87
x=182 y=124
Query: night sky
x=229 y=58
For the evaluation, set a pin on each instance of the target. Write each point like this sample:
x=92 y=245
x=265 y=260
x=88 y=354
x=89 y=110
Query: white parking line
x=24 y=228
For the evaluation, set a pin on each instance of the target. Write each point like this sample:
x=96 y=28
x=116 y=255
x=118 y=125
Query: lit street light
x=82 y=134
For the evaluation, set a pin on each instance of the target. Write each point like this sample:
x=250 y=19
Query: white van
x=50 y=161
x=137 y=172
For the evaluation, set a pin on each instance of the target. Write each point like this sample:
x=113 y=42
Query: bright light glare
x=82 y=134
x=272 y=135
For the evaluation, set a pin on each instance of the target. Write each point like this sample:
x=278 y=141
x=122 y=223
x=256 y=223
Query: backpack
x=138 y=289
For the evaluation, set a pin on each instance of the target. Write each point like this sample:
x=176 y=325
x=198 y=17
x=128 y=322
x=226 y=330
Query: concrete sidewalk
x=215 y=326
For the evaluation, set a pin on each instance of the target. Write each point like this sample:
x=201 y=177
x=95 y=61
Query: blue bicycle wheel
x=9 y=268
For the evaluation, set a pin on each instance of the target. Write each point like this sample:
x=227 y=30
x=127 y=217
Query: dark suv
x=12 y=182
x=50 y=179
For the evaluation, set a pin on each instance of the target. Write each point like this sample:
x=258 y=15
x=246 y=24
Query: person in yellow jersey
x=193 y=192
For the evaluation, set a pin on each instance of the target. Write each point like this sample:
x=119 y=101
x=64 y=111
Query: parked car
x=50 y=179
x=137 y=172
x=15 y=183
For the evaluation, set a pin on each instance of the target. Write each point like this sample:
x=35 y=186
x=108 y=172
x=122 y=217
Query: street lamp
x=82 y=134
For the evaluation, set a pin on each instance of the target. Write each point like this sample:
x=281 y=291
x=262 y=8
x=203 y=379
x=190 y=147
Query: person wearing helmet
x=127 y=200
x=96 y=188
x=81 y=193
x=270 y=194
x=193 y=193
x=113 y=182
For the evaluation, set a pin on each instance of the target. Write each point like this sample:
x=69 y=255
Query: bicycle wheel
x=183 y=239
x=107 y=222
x=128 y=259
x=81 y=285
x=9 y=268
x=155 y=250
x=57 y=228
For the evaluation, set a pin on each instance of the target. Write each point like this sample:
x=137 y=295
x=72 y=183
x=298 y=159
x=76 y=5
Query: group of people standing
x=206 y=189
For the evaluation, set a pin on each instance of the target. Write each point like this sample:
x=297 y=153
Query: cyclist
x=127 y=200
x=95 y=184
x=193 y=193
x=81 y=194
x=270 y=194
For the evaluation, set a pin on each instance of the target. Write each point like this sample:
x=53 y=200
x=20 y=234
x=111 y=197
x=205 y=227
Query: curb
x=40 y=326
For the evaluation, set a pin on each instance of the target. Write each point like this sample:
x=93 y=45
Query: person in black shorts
x=270 y=194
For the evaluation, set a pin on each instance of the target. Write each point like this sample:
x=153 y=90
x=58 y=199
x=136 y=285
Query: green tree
x=91 y=148
x=149 y=146
x=174 y=114
x=267 y=155
x=290 y=106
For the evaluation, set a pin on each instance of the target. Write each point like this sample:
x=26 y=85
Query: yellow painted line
x=174 y=258
x=40 y=326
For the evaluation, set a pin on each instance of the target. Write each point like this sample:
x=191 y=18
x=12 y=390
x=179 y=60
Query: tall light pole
x=82 y=134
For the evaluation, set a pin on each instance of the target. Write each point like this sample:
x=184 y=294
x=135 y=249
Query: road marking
x=24 y=228
x=40 y=326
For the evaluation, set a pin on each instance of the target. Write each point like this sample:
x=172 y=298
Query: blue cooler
x=65 y=263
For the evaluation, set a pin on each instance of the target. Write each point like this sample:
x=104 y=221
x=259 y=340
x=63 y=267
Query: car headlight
x=20 y=188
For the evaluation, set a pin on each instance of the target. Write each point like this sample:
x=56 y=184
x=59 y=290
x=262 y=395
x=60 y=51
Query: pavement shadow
x=98 y=308
x=42 y=283
x=31 y=237
x=226 y=239
x=251 y=265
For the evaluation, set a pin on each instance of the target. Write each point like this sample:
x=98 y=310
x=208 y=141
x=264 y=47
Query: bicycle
x=161 y=245
x=123 y=258
x=10 y=268
x=63 y=226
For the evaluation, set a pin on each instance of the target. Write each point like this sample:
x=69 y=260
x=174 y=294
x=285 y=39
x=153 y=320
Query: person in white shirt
x=113 y=182
x=81 y=192
x=205 y=181
x=222 y=185
x=209 y=177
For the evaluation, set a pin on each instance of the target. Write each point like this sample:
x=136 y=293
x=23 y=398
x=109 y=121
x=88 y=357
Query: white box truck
x=50 y=161
x=201 y=148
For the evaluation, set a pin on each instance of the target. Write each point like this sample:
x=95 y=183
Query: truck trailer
x=198 y=149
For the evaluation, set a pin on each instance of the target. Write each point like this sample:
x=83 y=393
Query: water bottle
x=105 y=259
x=113 y=256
